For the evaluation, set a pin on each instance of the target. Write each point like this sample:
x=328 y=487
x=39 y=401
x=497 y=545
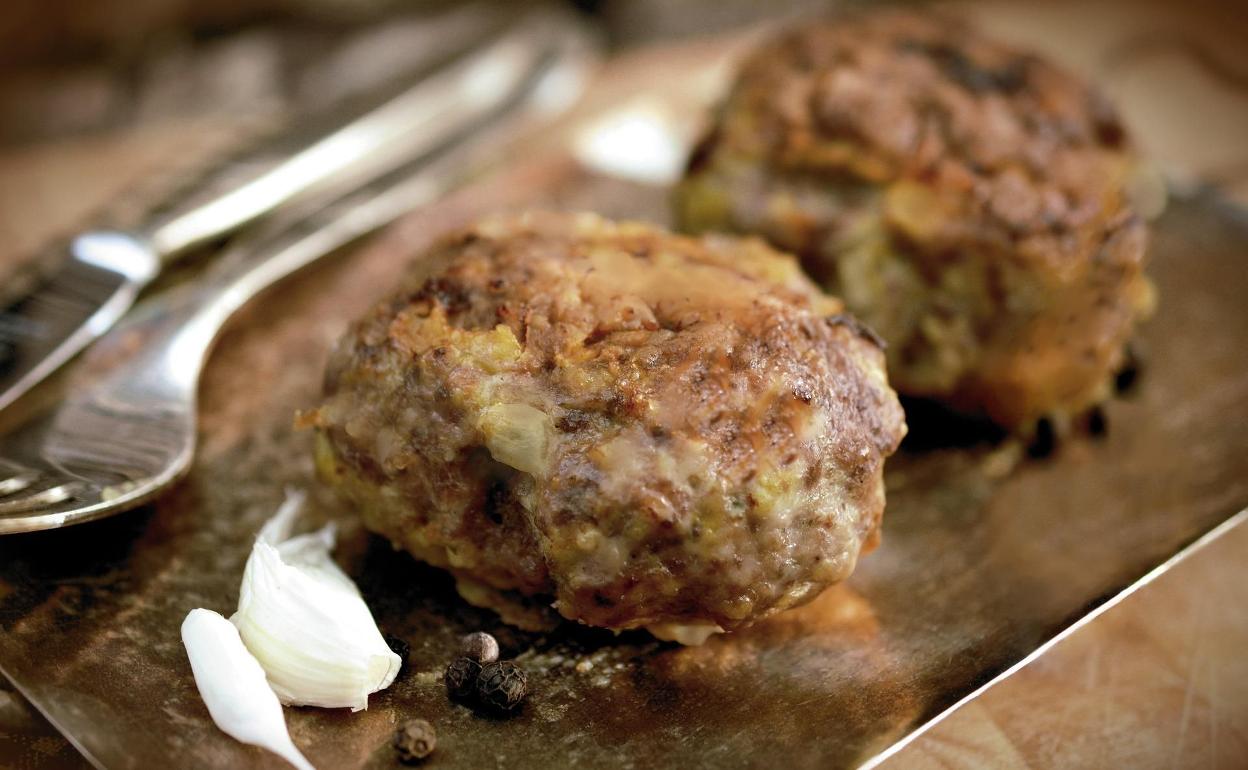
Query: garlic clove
x=278 y=528
x=305 y=621
x=234 y=687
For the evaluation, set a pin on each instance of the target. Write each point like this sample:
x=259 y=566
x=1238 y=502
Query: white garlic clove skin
x=278 y=528
x=234 y=687
x=305 y=621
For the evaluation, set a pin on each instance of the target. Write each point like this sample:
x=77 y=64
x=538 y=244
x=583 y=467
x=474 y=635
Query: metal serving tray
x=988 y=552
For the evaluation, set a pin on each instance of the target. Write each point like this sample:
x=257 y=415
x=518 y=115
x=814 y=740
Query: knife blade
x=91 y=290
x=104 y=271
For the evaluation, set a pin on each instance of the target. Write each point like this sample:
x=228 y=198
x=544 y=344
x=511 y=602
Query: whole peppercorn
x=415 y=740
x=461 y=678
x=502 y=685
x=481 y=647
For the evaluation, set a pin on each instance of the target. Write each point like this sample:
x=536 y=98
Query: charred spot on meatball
x=595 y=447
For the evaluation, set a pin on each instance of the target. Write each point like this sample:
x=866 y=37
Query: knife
x=104 y=271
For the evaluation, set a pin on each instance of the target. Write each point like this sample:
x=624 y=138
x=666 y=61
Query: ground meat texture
x=969 y=202
x=650 y=430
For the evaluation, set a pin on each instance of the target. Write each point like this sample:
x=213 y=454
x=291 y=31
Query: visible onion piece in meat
x=518 y=435
x=688 y=634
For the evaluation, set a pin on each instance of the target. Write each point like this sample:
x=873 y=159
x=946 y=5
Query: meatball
x=967 y=201
x=650 y=430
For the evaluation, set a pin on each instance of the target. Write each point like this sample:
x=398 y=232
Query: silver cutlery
x=131 y=432
x=104 y=271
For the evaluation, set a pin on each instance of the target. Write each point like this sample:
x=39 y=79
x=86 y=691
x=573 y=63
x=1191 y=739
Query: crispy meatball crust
x=651 y=429
x=968 y=201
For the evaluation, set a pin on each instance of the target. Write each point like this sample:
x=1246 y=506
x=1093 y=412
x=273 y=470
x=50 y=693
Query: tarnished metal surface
x=987 y=553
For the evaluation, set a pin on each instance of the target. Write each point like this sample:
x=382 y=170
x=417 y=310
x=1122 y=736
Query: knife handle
x=408 y=126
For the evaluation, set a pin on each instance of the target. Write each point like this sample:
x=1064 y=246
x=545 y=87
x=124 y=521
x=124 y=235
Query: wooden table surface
x=1158 y=681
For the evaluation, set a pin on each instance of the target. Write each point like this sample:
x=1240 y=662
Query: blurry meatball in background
x=650 y=430
x=971 y=203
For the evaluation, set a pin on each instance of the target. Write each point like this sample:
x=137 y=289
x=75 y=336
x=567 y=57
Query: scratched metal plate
x=987 y=553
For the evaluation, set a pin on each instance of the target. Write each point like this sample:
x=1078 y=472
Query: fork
x=128 y=435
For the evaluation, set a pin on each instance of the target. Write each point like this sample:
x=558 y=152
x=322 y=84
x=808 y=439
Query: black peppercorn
x=502 y=686
x=461 y=678
x=415 y=740
x=481 y=647
x=400 y=648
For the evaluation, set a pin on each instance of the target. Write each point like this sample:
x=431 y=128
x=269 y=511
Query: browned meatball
x=650 y=429
x=967 y=201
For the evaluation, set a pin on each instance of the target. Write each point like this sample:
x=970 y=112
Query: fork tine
x=17 y=482
x=41 y=499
